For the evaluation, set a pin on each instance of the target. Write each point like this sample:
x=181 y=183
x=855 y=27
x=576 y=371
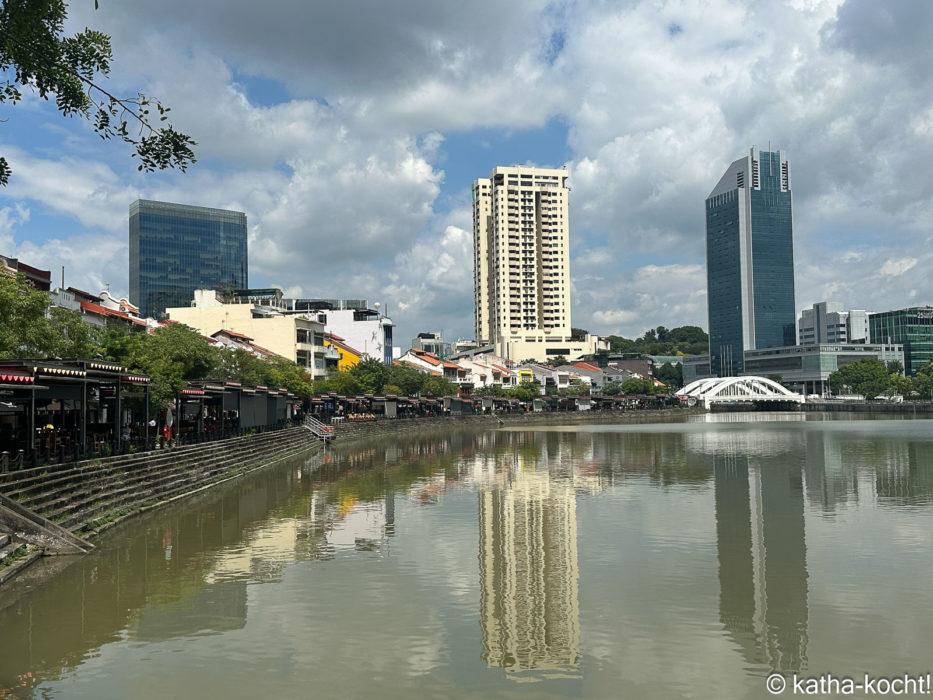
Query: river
x=679 y=559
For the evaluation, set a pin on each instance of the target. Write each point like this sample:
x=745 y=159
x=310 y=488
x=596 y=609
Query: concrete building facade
x=805 y=369
x=521 y=278
x=261 y=317
x=363 y=328
x=827 y=322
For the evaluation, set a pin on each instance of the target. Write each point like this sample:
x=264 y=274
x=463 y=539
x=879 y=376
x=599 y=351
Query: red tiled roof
x=93 y=308
x=426 y=356
x=587 y=366
x=232 y=334
x=263 y=350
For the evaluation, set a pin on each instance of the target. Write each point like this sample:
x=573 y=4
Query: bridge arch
x=737 y=390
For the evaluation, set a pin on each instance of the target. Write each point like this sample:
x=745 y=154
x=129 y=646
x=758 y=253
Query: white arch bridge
x=737 y=390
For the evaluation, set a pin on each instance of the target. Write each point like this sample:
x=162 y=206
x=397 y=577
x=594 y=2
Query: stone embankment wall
x=54 y=508
x=354 y=430
x=903 y=409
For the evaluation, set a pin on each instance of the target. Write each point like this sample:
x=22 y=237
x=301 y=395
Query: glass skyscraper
x=177 y=248
x=750 y=260
x=912 y=328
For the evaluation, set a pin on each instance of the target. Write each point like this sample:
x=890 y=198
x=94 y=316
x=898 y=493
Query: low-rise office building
x=912 y=328
x=805 y=369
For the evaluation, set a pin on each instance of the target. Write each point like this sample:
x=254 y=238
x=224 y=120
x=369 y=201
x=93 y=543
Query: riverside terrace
x=65 y=410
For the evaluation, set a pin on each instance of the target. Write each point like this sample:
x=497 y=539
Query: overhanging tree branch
x=33 y=48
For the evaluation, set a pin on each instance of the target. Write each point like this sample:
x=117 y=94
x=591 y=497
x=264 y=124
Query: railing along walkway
x=324 y=432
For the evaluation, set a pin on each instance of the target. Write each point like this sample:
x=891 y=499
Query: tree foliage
x=637 y=386
x=684 y=340
x=671 y=374
x=35 y=54
x=577 y=387
x=868 y=377
x=611 y=389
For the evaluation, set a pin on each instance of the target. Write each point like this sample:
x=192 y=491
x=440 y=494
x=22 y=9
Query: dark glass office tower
x=750 y=260
x=176 y=248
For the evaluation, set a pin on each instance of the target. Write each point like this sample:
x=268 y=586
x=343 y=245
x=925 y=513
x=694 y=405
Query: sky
x=350 y=132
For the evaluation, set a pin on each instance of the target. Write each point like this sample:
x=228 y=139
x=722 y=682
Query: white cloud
x=895 y=268
x=339 y=170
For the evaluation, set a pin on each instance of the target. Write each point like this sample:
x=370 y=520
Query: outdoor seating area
x=67 y=410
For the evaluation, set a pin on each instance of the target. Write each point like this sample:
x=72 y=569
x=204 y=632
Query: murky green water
x=668 y=560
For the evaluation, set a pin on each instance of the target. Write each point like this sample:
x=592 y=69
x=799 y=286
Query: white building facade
x=827 y=322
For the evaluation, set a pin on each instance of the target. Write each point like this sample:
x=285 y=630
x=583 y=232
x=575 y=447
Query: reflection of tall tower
x=529 y=608
x=762 y=555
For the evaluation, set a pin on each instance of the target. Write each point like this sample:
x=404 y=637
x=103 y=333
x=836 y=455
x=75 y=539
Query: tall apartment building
x=521 y=233
x=750 y=260
x=827 y=322
x=176 y=249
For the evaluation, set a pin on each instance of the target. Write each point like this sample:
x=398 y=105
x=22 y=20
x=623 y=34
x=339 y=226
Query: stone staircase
x=86 y=497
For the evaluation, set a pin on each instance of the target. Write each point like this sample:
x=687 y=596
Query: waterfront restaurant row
x=61 y=408
x=368 y=406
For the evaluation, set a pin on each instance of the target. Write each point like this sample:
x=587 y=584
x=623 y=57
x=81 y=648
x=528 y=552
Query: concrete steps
x=87 y=496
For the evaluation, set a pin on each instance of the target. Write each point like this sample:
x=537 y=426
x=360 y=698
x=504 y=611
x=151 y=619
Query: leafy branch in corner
x=35 y=54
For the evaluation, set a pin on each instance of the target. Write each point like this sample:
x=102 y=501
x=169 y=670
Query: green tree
x=342 y=383
x=371 y=374
x=671 y=374
x=438 y=386
x=637 y=386
x=406 y=378
x=239 y=365
x=577 y=387
x=578 y=333
x=868 y=377
x=172 y=356
x=895 y=367
x=611 y=389
x=36 y=55
x=73 y=337
x=24 y=328
x=923 y=385
x=282 y=372
x=902 y=385
x=557 y=361
x=525 y=392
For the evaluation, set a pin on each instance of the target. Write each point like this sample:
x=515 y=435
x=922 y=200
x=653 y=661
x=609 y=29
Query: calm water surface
x=655 y=560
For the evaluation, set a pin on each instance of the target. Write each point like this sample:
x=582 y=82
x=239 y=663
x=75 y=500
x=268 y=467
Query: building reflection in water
x=529 y=602
x=761 y=544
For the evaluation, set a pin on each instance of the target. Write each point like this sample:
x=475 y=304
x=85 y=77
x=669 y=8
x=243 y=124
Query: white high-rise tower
x=521 y=279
